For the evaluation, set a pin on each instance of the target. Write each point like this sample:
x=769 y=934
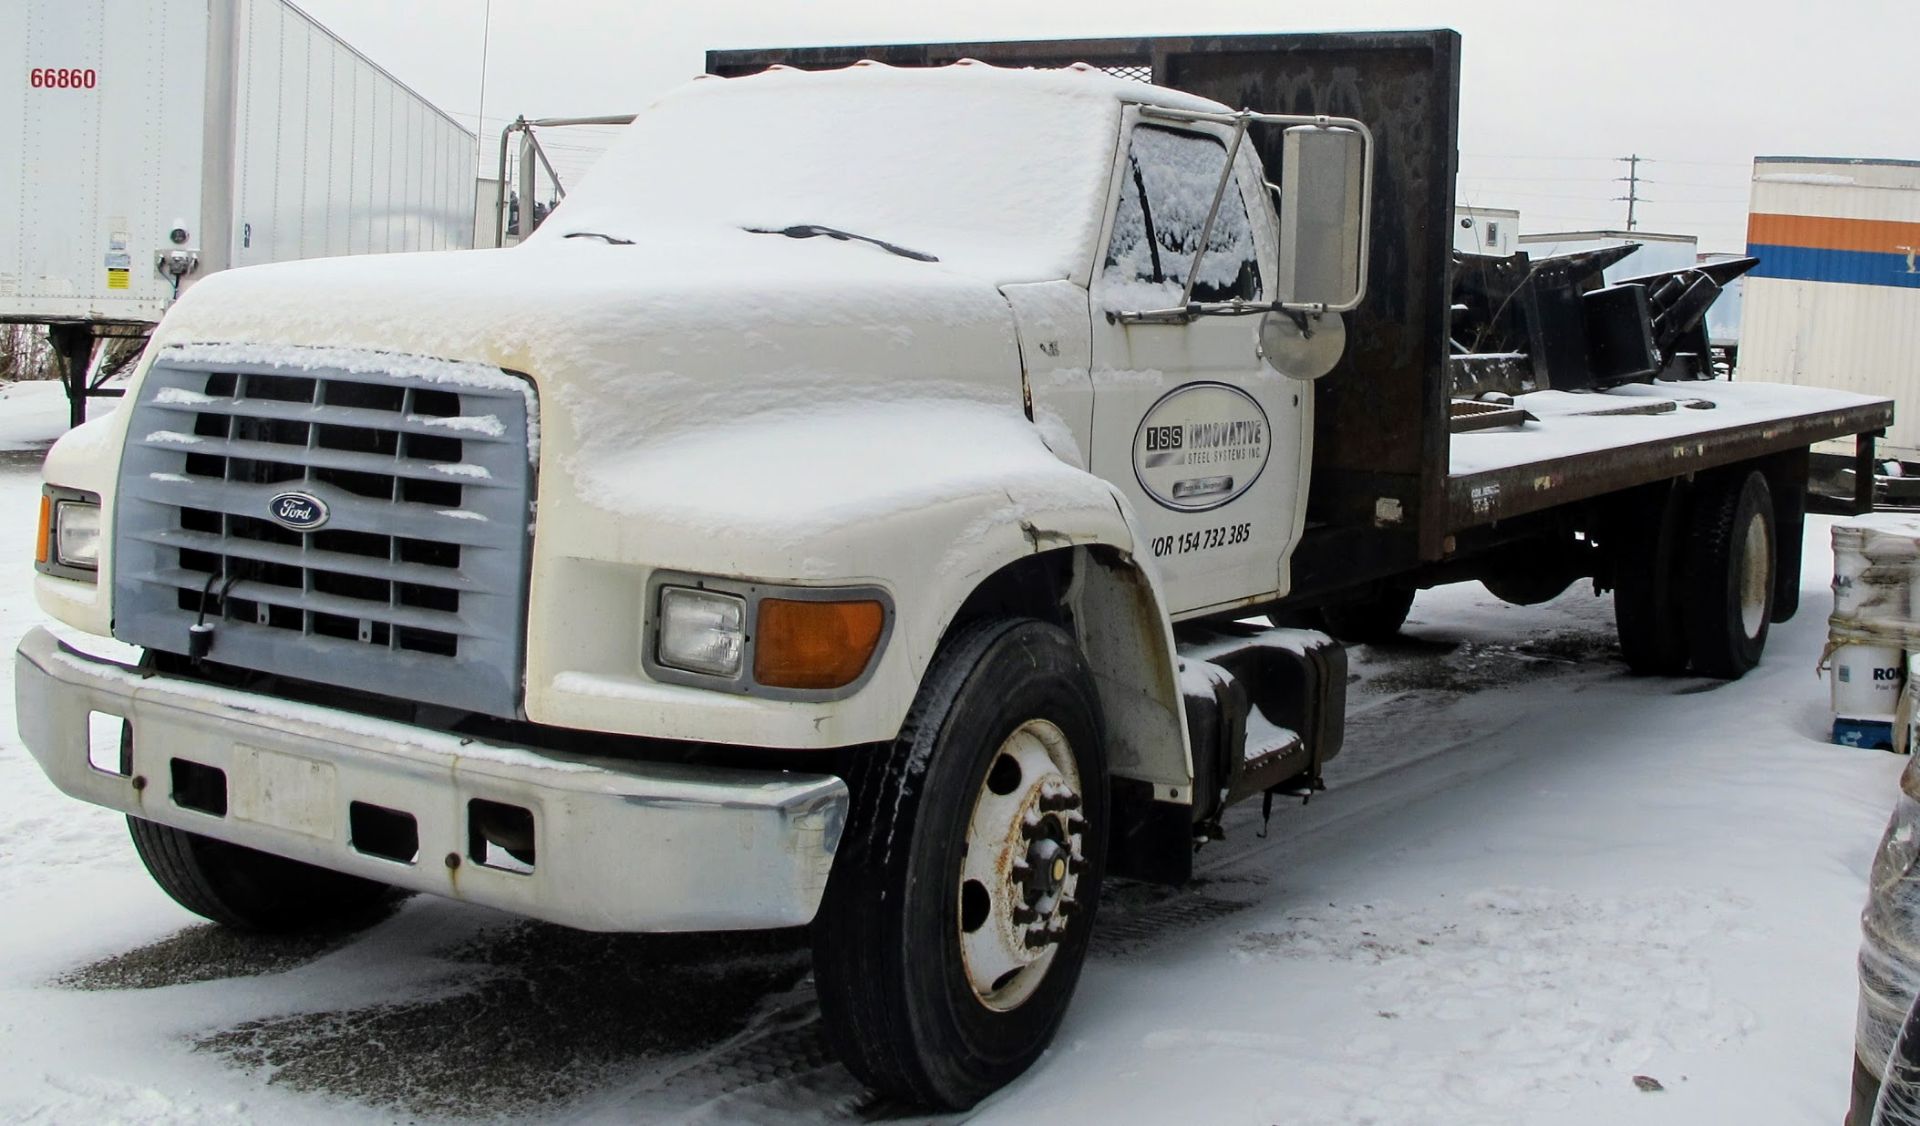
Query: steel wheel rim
x=1021 y=870
x=1755 y=576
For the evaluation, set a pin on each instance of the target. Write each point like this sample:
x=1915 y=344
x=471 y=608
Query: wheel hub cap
x=1756 y=576
x=1024 y=854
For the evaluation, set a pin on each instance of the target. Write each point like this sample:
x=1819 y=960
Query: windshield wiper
x=611 y=240
x=814 y=230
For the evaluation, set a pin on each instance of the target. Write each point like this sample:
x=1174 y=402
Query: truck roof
x=1078 y=80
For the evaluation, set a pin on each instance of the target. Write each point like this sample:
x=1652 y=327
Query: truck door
x=1209 y=443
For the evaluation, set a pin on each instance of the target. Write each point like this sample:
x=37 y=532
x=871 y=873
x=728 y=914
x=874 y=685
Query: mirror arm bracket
x=1240 y=121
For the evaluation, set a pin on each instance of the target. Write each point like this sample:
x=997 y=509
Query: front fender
x=924 y=499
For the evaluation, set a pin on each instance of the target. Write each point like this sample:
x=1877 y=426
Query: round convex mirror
x=1299 y=354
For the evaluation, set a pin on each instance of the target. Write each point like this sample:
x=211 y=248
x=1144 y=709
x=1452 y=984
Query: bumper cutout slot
x=199 y=787
x=384 y=833
x=500 y=836
x=109 y=744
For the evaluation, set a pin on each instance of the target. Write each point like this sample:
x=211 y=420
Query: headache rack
x=361 y=529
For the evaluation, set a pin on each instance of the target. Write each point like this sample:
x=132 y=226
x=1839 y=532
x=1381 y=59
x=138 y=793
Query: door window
x=1167 y=186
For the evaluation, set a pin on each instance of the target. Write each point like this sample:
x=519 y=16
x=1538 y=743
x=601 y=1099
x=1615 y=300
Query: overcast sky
x=1552 y=92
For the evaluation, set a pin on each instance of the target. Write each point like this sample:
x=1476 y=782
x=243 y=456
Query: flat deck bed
x=1590 y=443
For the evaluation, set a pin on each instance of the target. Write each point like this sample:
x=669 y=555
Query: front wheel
x=958 y=914
x=249 y=890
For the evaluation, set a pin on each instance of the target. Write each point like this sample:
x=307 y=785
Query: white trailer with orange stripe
x=1835 y=301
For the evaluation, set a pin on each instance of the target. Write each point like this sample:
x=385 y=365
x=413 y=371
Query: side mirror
x=1325 y=175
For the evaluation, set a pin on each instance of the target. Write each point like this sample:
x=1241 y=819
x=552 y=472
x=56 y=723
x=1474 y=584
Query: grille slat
x=385 y=569
x=467 y=428
x=416 y=571
x=461 y=473
x=294 y=598
x=250 y=501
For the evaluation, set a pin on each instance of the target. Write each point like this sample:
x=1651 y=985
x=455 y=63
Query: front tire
x=958 y=914
x=1730 y=566
x=250 y=890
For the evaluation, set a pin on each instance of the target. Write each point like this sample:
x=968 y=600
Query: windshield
x=999 y=172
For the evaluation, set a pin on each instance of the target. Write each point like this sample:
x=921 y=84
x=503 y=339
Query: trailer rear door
x=107 y=101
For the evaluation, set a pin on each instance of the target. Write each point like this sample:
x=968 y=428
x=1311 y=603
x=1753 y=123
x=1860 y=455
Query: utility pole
x=1632 y=181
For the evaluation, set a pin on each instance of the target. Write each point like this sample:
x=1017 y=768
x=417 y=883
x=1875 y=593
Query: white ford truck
x=841 y=512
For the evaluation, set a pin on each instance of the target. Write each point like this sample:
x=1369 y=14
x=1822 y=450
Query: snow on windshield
x=995 y=171
x=1166 y=190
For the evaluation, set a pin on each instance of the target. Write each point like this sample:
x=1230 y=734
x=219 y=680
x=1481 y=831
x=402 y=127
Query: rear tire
x=1647 y=565
x=1730 y=564
x=249 y=890
x=1375 y=618
x=981 y=827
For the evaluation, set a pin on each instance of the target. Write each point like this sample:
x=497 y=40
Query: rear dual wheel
x=1647 y=600
x=1694 y=575
x=958 y=914
x=1730 y=563
x=1375 y=618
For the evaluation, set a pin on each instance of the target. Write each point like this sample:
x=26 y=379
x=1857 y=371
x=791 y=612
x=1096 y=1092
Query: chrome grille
x=413 y=586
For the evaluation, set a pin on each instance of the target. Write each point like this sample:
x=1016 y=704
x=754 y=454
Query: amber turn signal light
x=815 y=644
x=46 y=525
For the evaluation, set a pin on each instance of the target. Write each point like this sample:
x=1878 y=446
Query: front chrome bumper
x=618 y=845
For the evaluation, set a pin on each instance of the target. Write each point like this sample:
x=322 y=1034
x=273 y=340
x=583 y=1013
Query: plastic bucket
x=1867 y=681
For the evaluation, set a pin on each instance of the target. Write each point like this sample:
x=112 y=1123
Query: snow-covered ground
x=1534 y=879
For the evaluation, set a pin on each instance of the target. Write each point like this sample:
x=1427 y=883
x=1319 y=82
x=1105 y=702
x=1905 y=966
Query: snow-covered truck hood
x=640 y=346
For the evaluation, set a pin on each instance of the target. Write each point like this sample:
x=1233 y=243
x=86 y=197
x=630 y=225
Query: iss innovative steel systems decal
x=1202 y=446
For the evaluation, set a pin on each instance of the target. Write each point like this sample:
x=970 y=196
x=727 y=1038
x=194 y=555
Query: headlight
x=764 y=639
x=76 y=534
x=702 y=631
x=69 y=541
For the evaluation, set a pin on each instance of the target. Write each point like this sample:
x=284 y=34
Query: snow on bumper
x=619 y=845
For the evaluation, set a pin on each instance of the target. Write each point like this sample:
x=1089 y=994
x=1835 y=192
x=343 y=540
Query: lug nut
x=1019 y=870
x=1024 y=915
x=1036 y=939
x=1076 y=823
x=1076 y=864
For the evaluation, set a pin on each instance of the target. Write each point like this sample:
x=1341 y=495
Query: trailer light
x=815 y=644
x=702 y=631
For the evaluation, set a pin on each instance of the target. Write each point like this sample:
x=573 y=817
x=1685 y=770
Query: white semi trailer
x=1835 y=300
x=166 y=140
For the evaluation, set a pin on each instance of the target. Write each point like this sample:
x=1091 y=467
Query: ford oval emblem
x=303 y=512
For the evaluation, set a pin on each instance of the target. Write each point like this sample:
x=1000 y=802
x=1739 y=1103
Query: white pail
x=1866 y=682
